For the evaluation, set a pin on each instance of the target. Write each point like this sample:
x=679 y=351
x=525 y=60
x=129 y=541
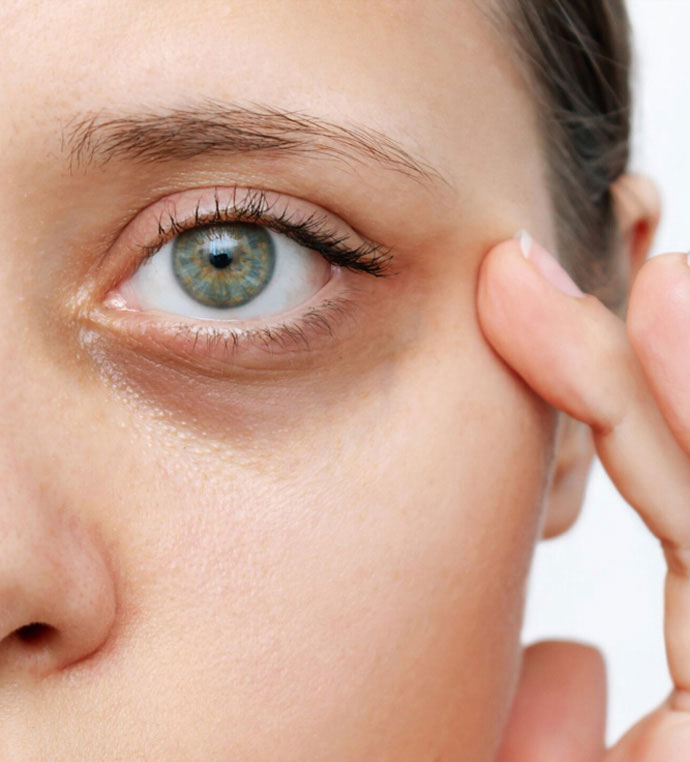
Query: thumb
x=559 y=711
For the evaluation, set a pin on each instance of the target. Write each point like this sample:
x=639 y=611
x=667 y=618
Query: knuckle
x=677 y=558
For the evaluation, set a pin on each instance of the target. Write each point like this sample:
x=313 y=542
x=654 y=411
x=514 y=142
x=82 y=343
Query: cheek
x=353 y=584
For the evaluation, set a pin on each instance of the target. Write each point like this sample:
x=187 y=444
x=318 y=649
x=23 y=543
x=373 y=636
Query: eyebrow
x=214 y=128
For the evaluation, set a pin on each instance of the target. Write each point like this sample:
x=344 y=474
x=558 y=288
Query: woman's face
x=291 y=530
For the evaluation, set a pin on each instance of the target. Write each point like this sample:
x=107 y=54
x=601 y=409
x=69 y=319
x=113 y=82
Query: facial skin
x=280 y=555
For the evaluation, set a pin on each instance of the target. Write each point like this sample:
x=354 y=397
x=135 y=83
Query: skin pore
x=285 y=554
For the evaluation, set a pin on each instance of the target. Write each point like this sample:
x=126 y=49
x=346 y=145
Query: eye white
x=298 y=274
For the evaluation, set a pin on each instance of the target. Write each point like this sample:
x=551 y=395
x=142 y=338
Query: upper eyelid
x=224 y=203
x=257 y=198
x=143 y=229
x=182 y=206
x=313 y=231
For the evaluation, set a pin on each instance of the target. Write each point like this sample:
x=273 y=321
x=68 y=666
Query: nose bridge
x=57 y=592
x=21 y=406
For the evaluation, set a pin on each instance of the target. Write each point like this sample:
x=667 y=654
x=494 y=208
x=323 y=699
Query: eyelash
x=312 y=232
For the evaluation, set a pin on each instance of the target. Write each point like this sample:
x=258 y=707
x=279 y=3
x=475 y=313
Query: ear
x=637 y=206
x=574 y=453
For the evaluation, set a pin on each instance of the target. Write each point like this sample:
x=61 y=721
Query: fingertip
x=525 y=265
x=521 y=288
x=657 y=328
x=517 y=246
x=501 y=253
x=503 y=270
x=576 y=658
x=659 y=299
x=500 y=286
x=559 y=710
x=534 y=320
x=664 y=275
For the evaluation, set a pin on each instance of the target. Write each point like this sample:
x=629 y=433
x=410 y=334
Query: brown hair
x=577 y=58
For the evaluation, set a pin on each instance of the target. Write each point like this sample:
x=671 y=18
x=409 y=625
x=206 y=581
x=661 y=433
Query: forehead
x=420 y=72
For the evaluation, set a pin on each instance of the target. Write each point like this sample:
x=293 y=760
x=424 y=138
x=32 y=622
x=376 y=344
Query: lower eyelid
x=216 y=346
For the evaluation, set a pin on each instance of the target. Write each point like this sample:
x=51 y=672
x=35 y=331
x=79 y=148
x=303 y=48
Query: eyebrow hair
x=212 y=127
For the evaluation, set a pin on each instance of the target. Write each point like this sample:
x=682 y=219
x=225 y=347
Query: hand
x=630 y=382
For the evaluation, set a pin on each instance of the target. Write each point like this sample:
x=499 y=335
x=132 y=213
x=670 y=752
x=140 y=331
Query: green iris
x=224 y=265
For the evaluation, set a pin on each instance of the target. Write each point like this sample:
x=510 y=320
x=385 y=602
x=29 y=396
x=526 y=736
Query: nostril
x=35 y=634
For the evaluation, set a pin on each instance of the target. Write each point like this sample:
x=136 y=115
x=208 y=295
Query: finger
x=559 y=710
x=662 y=736
x=575 y=354
x=659 y=331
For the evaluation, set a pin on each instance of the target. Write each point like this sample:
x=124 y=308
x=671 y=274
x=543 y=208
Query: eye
x=232 y=273
x=225 y=271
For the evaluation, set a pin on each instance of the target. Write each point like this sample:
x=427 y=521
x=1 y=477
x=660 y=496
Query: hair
x=576 y=56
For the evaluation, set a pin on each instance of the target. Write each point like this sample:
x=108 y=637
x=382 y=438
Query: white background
x=602 y=582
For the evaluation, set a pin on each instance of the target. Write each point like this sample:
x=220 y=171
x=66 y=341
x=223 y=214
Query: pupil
x=220 y=259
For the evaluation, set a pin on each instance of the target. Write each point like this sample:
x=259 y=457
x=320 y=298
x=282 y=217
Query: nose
x=57 y=594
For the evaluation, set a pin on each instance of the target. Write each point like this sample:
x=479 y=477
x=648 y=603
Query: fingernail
x=547 y=265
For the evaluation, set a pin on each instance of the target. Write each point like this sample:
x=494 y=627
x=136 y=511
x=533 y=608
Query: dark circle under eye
x=224 y=265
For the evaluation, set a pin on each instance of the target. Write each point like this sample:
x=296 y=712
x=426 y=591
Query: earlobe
x=574 y=453
x=638 y=211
